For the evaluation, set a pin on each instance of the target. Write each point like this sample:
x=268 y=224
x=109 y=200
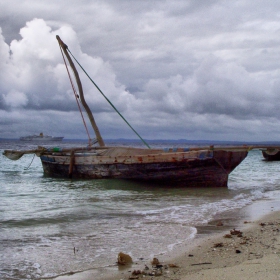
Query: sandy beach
x=251 y=251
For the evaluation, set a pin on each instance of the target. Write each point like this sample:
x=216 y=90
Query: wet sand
x=218 y=252
x=254 y=254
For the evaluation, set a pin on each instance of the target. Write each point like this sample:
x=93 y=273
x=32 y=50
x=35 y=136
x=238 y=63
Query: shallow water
x=53 y=226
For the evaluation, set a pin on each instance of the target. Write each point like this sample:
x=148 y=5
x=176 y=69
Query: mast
x=64 y=47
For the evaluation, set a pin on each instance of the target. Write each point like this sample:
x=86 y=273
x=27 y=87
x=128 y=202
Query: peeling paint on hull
x=208 y=169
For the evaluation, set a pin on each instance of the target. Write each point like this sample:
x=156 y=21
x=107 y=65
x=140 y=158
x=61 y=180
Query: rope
x=76 y=97
x=110 y=101
x=30 y=163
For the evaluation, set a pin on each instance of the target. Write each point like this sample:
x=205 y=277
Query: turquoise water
x=53 y=226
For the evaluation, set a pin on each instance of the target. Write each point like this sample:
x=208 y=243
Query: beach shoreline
x=215 y=253
x=254 y=253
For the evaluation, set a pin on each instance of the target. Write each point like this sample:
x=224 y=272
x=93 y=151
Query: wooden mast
x=89 y=113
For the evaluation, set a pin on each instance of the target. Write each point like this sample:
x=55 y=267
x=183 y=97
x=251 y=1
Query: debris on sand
x=155 y=261
x=236 y=232
x=217 y=245
x=124 y=259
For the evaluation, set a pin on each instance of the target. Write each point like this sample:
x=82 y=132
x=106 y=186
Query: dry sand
x=254 y=254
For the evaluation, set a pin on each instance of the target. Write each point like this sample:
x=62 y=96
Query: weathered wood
x=89 y=113
x=17 y=154
x=271 y=154
x=195 y=173
x=194 y=168
x=72 y=163
x=198 y=166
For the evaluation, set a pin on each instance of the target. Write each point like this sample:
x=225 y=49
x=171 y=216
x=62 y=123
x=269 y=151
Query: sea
x=50 y=227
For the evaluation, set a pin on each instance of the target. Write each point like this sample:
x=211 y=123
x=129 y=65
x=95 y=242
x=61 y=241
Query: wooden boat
x=271 y=154
x=196 y=167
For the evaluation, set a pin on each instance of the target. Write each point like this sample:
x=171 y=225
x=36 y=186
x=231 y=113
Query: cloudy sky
x=206 y=70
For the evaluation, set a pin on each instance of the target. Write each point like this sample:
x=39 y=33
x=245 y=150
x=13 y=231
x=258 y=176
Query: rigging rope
x=26 y=168
x=110 y=102
x=76 y=97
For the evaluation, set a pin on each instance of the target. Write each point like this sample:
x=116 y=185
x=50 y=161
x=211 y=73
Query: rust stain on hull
x=203 y=169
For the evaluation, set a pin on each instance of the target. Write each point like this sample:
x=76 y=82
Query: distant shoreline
x=162 y=141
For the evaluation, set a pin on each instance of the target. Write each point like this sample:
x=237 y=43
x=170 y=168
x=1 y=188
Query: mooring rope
x=76 y=97
x=110 y=102
x=26 y=168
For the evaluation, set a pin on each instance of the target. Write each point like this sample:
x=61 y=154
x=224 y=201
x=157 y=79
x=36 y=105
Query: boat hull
x=194 y=169
x=271 y=155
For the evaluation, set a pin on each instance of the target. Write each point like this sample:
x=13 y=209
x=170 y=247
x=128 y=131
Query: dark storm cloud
x=175 y=69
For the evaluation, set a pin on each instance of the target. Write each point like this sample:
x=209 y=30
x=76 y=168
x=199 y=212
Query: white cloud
x=202 y=69
x=15 y=99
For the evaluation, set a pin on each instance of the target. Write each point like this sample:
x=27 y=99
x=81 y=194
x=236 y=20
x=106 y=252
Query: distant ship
x=41 y=138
